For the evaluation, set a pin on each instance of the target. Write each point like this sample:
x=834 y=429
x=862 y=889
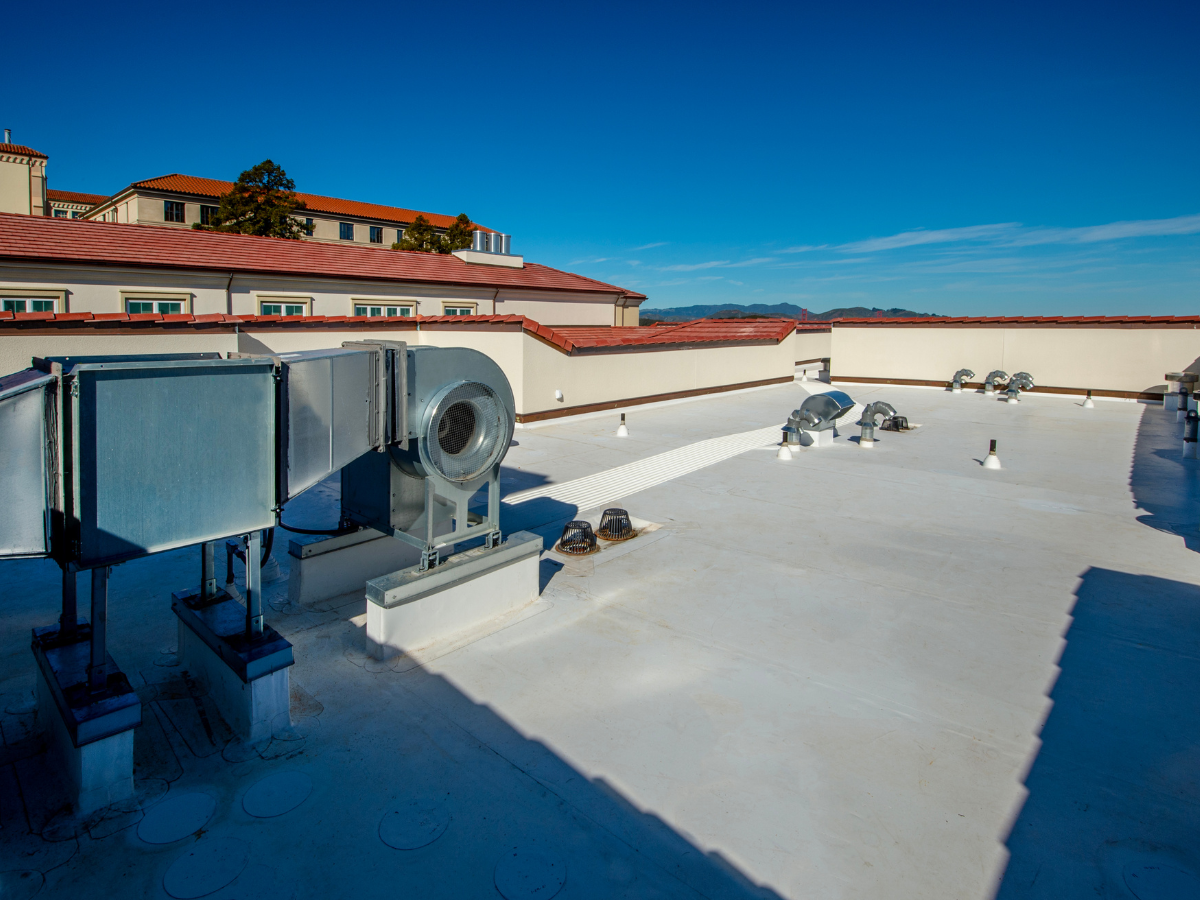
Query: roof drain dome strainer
x=615 y=526
x=577 y=539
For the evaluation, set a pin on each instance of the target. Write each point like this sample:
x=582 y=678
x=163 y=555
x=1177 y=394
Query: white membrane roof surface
x=858 y=673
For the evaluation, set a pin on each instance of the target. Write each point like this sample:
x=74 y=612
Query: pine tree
x=421 y=237
x=458 y=235
x=263 y=202
x=418 y=236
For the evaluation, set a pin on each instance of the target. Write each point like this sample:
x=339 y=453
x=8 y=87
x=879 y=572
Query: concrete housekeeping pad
x=411 y=609
x=90 y=735
x=324 y=568
x=247 y=679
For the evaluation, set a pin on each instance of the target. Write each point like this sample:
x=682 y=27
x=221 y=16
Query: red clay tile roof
x=76 y=197
x=701 y=331
x=21 y=150
x=109 y=244
x=212 y=187
x=568 y=340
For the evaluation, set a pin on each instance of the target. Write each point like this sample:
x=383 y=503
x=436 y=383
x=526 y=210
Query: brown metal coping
x=973 y=385
x=651 y=398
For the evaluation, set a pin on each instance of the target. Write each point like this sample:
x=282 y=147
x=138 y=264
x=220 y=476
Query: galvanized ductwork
x=873 y=410
x=993 y=378
x=960 y=376
x=1022 y=381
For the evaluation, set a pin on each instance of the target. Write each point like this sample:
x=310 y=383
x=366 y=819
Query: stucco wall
x=1111 y=359
x=505 y=345
x=98 y=289
x=14 y=187
x=16 y=349
x=813 y=345
x=604 y=377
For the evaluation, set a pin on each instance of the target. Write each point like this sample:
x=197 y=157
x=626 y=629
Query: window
x=162 y=307
x=379 y=309
x=346 y=231
x=458 y=311
x=308 y=227
x=376 y=235
x=399 y=235
x=283 y=306
x=140 y=303
x=28 y=304
x=207 y=214
x=172 y=211
x=76 y=215
x=60 y=214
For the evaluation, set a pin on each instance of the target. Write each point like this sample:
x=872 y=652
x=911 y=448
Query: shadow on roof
x=1163 y=484
x=1114 y=793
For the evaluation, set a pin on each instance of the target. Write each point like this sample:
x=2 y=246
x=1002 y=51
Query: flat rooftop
x=857 y=673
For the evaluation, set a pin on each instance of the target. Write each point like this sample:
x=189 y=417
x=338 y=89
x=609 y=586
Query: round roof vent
x=467 y=431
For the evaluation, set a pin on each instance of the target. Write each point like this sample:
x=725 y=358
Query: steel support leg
x=254 y=613
x=208 y=570
x=98 y=669
x=68 y=622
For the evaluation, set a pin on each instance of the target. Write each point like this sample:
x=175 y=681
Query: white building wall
x=98 y=289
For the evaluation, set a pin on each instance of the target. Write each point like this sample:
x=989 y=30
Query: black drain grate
x=615 y=526
x=578 y=539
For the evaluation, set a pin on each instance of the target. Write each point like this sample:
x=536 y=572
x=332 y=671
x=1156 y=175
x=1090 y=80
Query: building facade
x=182 y=201
x=56 y=265
x=22 y=180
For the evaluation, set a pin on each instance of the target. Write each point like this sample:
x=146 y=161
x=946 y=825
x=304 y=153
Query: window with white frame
x=283 y=306
x=142 y=302
x=373 y=308
x=28 y=304
x=60 y=214
x=458 y=310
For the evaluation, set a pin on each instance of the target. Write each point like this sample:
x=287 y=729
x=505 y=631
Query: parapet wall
x=1118 y=358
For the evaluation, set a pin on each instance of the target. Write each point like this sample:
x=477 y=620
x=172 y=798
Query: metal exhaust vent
x=615 y=526
x=578 y=539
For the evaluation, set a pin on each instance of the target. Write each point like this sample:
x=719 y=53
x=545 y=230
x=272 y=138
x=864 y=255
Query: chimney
x=8 y=135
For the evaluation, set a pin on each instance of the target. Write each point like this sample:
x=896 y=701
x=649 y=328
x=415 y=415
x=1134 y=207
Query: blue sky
x=958 y=158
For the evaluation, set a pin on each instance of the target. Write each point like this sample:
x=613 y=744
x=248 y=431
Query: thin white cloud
x=804 y=248
x=757 y=261
x=1013 y=234
x=939 y=236
x=692 y=267
x=1114 y=231
x=651 y=246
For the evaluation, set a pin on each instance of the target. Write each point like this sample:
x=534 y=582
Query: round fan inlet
x=468 y=431
x=577 y=539
x=615 y=526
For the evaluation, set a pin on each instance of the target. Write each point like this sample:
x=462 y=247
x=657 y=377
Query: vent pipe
x=477 y=237
x=506 y=244
x=8 y=135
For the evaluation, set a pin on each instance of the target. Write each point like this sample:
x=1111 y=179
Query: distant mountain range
x=768 y=311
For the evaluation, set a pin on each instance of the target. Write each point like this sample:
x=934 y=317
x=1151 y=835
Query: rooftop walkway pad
x=853 y=674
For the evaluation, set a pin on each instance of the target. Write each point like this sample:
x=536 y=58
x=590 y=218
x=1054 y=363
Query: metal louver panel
x=26 y=480
x=331 y=412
